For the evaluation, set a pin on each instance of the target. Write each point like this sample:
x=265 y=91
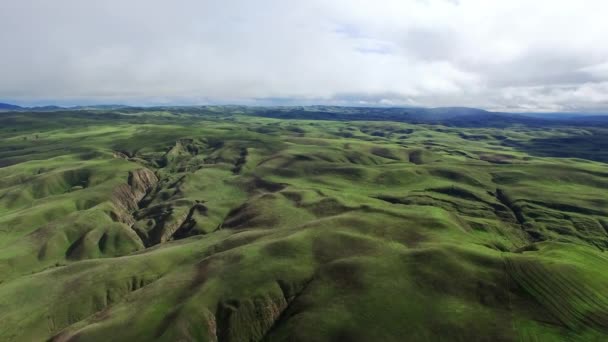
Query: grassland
x=171 y=226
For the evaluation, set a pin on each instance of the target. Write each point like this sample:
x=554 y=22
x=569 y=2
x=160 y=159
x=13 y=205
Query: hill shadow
x=590 y=147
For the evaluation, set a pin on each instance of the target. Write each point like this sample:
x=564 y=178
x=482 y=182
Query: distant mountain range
x=7 y=106
x=11 y=107
x=453 y=116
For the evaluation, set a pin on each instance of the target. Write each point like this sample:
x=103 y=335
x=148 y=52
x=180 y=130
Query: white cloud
x=517 y=54
x=599 y=71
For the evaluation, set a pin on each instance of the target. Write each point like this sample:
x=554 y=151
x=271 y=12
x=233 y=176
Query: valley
x=224 y=224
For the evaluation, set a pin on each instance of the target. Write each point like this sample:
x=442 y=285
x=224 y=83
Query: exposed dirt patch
x=248 y=319
x=126 y=197
x=240 y=162
x=292 y=293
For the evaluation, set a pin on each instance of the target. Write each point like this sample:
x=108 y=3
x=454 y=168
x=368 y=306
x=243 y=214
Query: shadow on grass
x=590 y=147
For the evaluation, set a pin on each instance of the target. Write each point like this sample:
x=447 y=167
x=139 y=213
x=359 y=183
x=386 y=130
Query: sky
x=516 y=55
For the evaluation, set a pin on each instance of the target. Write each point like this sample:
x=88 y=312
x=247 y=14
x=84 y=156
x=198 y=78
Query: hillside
x=301 y=224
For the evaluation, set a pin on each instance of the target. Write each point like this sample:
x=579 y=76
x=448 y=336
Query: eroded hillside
x=160 y=226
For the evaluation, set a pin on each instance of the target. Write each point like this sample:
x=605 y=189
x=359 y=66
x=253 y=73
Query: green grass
x=171 y=226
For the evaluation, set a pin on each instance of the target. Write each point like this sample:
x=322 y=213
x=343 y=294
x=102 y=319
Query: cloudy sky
x=517 y=55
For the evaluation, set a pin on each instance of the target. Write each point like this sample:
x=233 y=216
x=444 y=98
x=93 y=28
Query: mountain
x=46 y=108
x=7 y=106
x=100 y=107
x=450 y=116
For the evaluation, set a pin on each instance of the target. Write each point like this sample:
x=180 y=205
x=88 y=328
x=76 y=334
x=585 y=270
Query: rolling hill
x=301 y=224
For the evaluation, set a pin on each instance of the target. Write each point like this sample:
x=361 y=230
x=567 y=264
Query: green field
x=227 y=226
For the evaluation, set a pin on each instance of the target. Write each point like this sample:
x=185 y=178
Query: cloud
x=516 y=55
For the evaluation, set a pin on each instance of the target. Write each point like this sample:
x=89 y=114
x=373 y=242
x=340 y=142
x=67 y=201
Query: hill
x=266 y=224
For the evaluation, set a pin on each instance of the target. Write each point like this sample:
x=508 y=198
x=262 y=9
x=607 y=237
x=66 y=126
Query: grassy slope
x=262 y=229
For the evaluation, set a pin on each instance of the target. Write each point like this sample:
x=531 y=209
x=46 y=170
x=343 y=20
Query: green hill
x=224 y=225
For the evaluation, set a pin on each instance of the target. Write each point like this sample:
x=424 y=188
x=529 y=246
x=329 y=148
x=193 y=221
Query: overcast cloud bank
x=501 y=55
